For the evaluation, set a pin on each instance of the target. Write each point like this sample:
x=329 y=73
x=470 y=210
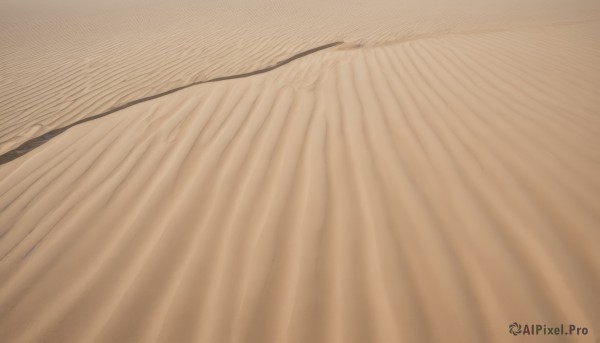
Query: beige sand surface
x=63 y=60
x=435 y=178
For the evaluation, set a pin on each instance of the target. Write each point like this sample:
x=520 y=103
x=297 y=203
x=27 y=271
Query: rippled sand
x=432 y=178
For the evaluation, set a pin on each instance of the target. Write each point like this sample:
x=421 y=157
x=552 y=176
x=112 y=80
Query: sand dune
x=35 y=142
x=63 y=61
x=431 y=189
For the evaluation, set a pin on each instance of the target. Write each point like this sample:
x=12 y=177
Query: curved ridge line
x=35 y=142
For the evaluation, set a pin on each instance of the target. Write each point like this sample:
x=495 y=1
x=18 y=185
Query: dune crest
x=39 y=140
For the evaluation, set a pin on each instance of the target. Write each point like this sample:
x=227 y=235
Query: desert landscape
x=331 y=171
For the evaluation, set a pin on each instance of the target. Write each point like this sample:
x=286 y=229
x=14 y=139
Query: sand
x=432 y=178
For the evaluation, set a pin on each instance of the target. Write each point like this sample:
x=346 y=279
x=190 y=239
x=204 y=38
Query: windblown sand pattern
x=65 y=60
x=35 y=142
x=428 y=189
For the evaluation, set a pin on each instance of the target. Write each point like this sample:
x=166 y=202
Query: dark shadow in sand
x=39 y=140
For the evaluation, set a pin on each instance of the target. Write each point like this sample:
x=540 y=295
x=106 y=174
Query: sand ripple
x=429 y=190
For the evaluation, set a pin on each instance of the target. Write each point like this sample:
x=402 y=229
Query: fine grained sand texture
x=64 y=60
x=432 y=179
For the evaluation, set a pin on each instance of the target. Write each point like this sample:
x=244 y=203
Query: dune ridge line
x=40 y=140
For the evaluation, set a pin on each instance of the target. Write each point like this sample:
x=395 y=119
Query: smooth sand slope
x=428 y=189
